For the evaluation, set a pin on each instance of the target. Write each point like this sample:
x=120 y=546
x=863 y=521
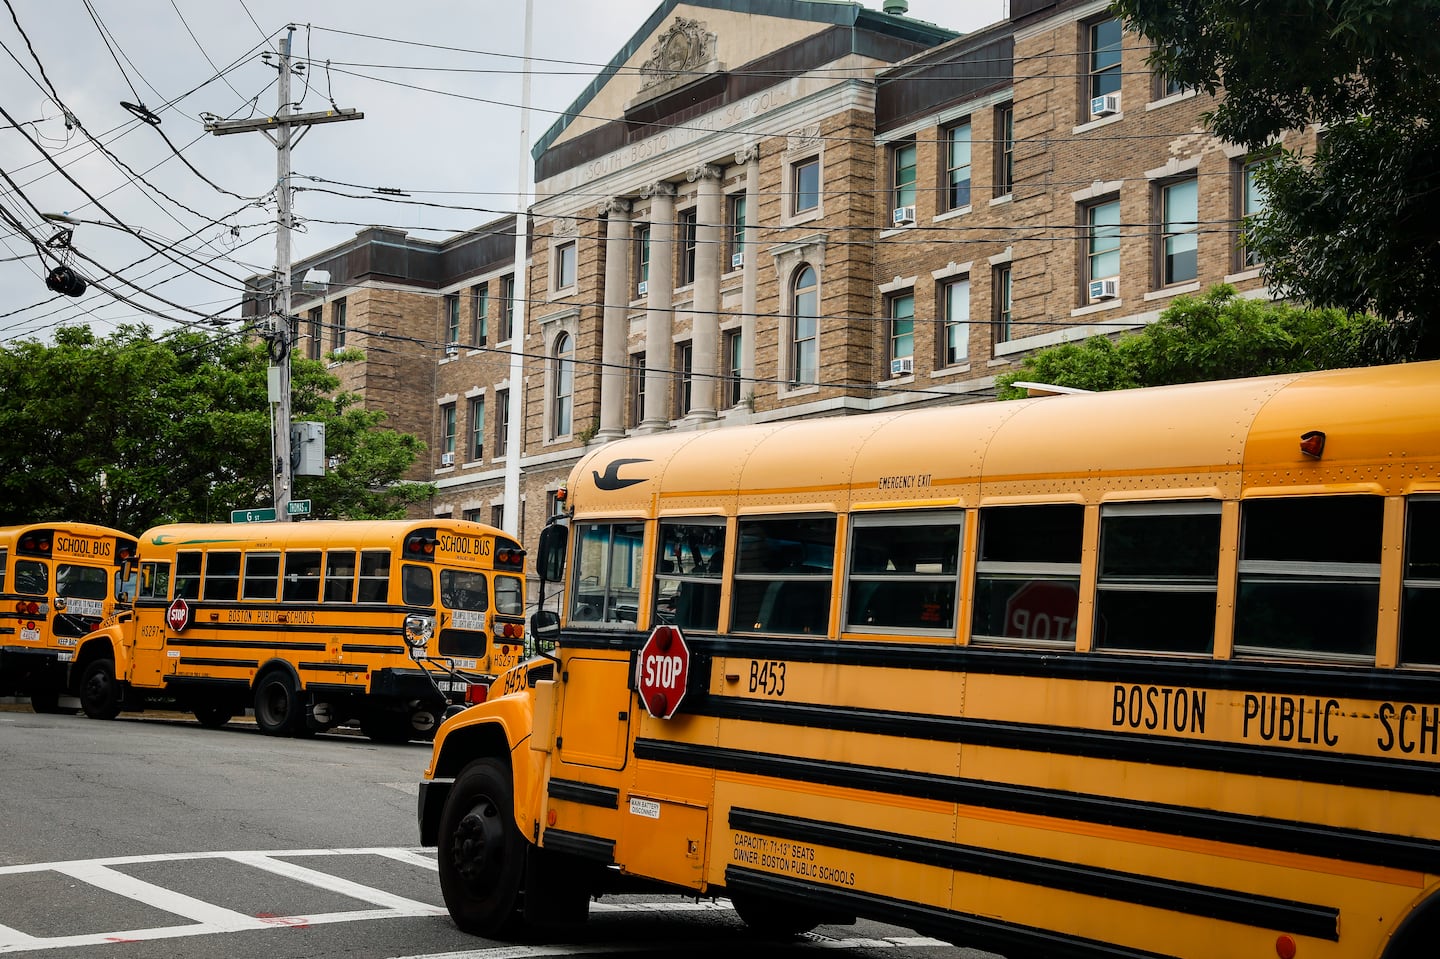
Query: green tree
x=1216 y=335
x=1356 y=226
x=130 y=430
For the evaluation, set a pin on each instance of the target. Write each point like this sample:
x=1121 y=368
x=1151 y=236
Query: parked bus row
x=1144 y=673
x=310 y=625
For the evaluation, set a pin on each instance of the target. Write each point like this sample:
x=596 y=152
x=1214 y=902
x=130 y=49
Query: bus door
x=148 y=662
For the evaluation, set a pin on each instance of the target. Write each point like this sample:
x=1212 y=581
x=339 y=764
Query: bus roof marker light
x=1312 y=444
x=1285 y=945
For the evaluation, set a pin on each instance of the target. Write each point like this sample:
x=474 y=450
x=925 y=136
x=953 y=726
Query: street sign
x=662 y=669
x=297 y=507
x=252 y=516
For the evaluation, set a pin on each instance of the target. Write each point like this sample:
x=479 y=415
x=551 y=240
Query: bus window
x=154 y=581
x=783 y=575
x=31 y=578
x=464 y=589
x=374 y=576
x=222 y=576
x=81 y=582
x=4 y=555
x=904 y=572
x=509 y=595
x=1159 y=565
x=1420 y=614
x=1309 y=575
x=1027 y=576
x=302 y=576
x=417 y=585
x=340 y=576
x=262 y=576
x=187 y=575
x=607 y=570
x=687 y=578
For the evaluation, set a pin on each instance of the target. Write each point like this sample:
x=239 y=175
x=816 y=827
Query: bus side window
x=154 y=581
x=187 y=575
x=1309 y=575
x=374 y=576
x=1420 y=612
x=783 y=575
x=262 y=576
x=904 y=572
x=222 y=575
x=340 y=576
x=1027 y=577
x=302 y=576
x=687 y=575
x=31 y=578
x=4 y=555
x=417 y=585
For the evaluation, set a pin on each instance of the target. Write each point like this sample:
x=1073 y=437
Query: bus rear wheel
x=481 y=852
x=213 y=717
x=277 y=705
x=772 y=919
x=100 y=690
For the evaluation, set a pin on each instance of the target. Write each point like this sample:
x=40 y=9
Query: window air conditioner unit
x=452 y=348
x=1106 y=289
x=903 y=215
x=447 y=459
x=902 y=366
x=1105 y=106
x=642 y=288
x=737 y=260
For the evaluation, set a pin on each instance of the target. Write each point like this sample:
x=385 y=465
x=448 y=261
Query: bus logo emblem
x=178 y=614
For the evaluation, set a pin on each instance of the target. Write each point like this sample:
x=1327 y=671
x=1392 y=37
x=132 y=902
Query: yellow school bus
x=1141 y=673
x=312 y=624
x=58 y=581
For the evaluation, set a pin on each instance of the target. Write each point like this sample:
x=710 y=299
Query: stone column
x=614 y=333
x=705 y=339
x=659 y=311
x=750 y=157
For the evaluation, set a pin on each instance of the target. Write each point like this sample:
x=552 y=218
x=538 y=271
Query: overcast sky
x=442 y=125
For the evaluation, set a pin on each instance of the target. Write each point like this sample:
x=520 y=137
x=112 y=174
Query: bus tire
x=481 y=852
x=277 y=704
x=213 y=717
x=100 y=690
x=772 y=919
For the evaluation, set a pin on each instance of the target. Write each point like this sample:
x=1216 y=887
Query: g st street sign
x=255 y=515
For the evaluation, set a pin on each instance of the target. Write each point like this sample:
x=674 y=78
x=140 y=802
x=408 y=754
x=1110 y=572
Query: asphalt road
x=151 y=836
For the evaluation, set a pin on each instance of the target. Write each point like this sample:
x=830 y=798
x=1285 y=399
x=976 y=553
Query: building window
x=1179 y=213
x=1167 y=86
x=1102 y=240
x=955 y=322
x=452 y=318
x=1000 y=295
x=1253 y=202
x=684 y=382
x=477 y=428
x=313 y=326
x=806 y=175
x=686 y=266
x=642 y=260
x=563 y=378
x=737 y=230
x=637 y=389
x=473 y=516
x=338 y=315
x=565 y=265
x=497 y=516
x=1103 y=58
x=1004 y=149
x=507 y=307
x=901 y=347
x=734 y=363
x=502 y=422
x=957 y=166
x=447 y=430
x=480 y=310
x=902 y=176
x=804 y=327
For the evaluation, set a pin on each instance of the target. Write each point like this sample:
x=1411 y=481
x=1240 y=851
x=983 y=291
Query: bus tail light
x=421 y=547
x=1312 y=444
x=510 y=631
x=27 y=609
x=475 y=694
x=510 y=557
x=1285 y=947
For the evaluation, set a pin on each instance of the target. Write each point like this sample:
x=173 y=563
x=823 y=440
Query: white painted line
x=186 y=856
x=161 y=898
x=678 y=905
x=679 y=948
x=410 y=858
x=322 y=880
x=20 y=939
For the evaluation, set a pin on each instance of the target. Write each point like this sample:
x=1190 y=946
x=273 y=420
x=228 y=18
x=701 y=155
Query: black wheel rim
x=97 y=687
x=275 y=704
x=477 y=846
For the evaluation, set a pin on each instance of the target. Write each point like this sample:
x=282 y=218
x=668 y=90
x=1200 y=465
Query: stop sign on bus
x=662 y=669
x=1042 y=609
x=178 y=614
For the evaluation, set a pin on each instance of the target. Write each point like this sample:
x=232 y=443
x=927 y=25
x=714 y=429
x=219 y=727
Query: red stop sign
x=1042 y=610
x=661 y=671
x=178 y=614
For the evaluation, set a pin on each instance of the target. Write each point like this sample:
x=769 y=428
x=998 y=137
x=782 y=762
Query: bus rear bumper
x=23 y=668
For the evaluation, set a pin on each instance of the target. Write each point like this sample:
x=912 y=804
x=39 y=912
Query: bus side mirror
x=545 y=625
x=126 y=571
x=550 y=561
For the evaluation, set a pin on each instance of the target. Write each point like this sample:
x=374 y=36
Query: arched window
x=562 y=384
x=804 y=327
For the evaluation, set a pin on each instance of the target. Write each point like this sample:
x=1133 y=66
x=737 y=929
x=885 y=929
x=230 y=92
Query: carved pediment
x=684 y=48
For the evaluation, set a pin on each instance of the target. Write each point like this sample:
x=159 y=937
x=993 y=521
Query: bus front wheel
x=481 y=852
x=213 y=717
x=100 y=690
x=277 y=705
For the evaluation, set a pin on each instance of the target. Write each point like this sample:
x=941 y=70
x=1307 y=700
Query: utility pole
x=277 y=330
x=515 y=433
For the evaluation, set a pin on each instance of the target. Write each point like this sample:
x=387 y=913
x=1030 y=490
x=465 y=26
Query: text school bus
x=58 y=581
x=313 y=624
x=1144 y=673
